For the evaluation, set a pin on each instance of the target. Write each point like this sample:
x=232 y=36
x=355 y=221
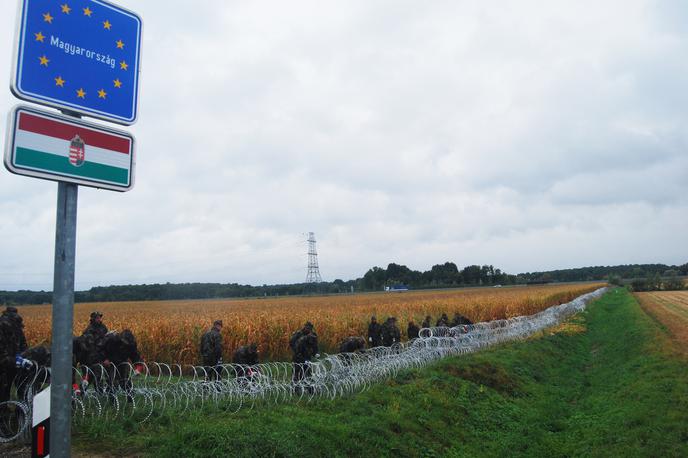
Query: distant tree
x=637 y=272
x=683 y=269
x=471 y=274
x=486 y=275
x=673 y=283
x=654 y=283
x=397 y=273
x=614 y=280
x=443 y=274
x=375 y=278
x=639 y=284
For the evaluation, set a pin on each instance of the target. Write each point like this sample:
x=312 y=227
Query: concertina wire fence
x=119 y=392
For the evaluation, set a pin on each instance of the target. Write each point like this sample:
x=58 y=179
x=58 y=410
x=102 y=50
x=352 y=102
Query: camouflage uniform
x=443 y=321
x=390 y=332
x=84 y=351
x=96 y=328
x=91 y=340
x=12 y=343
x=211 y=347
x=305 y=348
x=412 y=330
x=352 y=344
x=426 y=322
x=246 y=355
x=459 y=320
x=120 y=349
x=374 y=333
x=305 y=330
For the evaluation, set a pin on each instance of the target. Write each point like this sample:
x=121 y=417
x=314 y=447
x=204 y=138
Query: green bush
x=614 y=280
x=639 y=284
x=673 y=283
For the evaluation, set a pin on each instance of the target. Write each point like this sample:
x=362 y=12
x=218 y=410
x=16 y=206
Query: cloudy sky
x=525 y=134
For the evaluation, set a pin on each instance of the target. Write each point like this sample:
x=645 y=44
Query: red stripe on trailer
x=65 y=131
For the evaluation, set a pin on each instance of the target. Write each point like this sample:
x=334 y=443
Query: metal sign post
x=63 y=313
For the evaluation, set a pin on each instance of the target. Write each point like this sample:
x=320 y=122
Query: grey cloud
x=528 y=135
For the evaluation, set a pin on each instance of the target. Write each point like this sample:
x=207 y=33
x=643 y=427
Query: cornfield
x=170 y=331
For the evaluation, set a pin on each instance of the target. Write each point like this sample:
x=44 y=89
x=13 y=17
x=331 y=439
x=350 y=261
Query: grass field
x=609 y=382
x=671 y=309
x=170 y=331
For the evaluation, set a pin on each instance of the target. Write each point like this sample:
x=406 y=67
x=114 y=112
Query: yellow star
x=47 y=18
x=65 y=8
x=107 y=25
x=44 y=60
x=59 y=81
x=120 y=44
x=123 y=65
x=102 y=94
x=117 y=82
x=87 y=11
x=39 y=37
x=81 y=93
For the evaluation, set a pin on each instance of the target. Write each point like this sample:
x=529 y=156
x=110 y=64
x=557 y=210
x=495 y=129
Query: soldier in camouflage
x=12 y=344
x=352 y=344
x=412 y=330
x=304 y=344
x=390 y=332
x=443 y=321
x=246 y=356
x=460 y=320
x=92 y=339
x=426 y=322
x=374 y=333
x=96 y=328
x=119 y=351
x=211 y=348
x=305 y=330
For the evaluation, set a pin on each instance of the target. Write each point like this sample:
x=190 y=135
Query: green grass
x=606 y=384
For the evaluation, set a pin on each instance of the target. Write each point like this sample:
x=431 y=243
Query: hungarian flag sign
x=54 y=147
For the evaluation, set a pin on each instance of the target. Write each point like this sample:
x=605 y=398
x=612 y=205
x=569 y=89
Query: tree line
x=445 y=275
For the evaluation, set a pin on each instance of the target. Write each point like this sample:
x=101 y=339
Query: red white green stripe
x=43 y=144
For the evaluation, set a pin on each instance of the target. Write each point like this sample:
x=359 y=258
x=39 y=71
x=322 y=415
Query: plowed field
x=671 y=309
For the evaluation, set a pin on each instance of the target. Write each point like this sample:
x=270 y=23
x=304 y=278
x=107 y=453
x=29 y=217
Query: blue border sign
x=79 y=55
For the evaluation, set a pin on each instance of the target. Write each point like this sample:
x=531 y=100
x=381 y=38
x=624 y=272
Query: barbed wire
x=140 y=390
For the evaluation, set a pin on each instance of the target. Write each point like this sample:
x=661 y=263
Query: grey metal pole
x=63 y=317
